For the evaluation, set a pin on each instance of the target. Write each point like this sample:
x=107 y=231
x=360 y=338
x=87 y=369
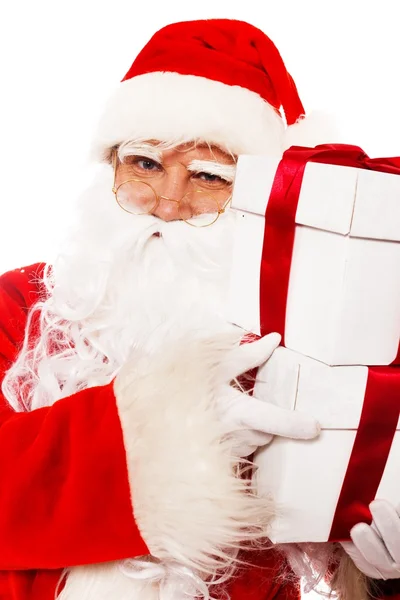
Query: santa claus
x=125 y=430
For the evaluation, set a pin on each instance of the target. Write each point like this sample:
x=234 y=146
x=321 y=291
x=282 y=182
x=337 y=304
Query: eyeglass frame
x=160 y=197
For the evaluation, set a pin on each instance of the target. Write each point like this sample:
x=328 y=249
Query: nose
x=172 y=188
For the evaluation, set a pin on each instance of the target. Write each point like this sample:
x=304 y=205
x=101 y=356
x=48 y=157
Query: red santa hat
x=218 y=80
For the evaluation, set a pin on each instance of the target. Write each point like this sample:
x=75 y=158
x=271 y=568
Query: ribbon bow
x=175 y=581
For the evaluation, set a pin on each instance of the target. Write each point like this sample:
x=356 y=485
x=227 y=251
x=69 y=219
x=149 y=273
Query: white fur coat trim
x=189 y=504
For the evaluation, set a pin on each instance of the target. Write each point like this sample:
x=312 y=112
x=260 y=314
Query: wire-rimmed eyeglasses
x=198 y=208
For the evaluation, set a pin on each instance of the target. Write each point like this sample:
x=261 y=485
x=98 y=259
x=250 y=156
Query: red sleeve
x=64 y=491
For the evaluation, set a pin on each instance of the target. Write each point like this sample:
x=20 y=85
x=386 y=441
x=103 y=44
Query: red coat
x=55 y=464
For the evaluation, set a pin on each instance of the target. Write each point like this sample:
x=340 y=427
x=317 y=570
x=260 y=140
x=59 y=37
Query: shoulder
x=20 y=289
x=23 y=285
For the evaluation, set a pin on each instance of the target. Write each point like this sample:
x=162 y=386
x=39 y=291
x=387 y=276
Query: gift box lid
x=344 y=200
x=332 y=395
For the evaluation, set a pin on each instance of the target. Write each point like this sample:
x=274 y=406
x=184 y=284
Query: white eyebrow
x=213 y=168
x=145 y=150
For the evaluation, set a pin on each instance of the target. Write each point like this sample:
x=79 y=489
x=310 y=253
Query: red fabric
x=65 y=496
x=265 y=579
x=232 y=52
x=376 y=430
x=30 y=585
x=280 y=223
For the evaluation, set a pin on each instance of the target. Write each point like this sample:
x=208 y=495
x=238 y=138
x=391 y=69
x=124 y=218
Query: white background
x=59 y=61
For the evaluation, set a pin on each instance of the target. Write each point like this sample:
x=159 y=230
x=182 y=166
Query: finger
x=386 y=519
x=245 y=442
x=268 y=418
x=239 y=450
x=252 y=437
x=371 y=547
x=248 y=356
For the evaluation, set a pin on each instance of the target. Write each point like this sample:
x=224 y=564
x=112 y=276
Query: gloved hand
x=375 y=548
x=252 y=423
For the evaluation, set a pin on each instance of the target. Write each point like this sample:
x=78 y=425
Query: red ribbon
x=374 y=437
x=382 y=398
x=280 y=221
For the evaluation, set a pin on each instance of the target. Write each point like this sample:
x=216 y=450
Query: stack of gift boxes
x=317 y=258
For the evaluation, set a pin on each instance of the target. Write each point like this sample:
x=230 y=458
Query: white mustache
x=181 y=242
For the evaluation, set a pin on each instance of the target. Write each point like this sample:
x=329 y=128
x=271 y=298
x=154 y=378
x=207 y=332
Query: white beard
x=156 y=281
x=116 y=288
x=165 y=287
x=122 y=282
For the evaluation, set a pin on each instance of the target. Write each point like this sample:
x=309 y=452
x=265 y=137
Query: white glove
x=251 y=422
x=375 y=549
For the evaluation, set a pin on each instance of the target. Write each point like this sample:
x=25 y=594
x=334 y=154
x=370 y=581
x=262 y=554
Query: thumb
x=249 y=356
x=269 y=418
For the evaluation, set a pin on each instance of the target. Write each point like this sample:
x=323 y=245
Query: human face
x=175 y=184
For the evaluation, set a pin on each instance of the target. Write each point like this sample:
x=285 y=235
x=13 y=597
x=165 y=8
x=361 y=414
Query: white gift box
x=305 y=478
x=343 y=304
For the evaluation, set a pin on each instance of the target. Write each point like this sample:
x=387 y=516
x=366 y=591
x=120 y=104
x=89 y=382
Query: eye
x=148 y=165
x=211 y=179
x=142 y=164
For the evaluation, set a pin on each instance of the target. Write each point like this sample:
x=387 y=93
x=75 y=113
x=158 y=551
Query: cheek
x=120 y=177
x=123 y=173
